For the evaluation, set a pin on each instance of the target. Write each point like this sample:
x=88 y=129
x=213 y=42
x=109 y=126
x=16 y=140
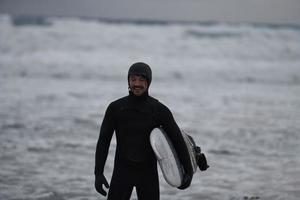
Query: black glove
x=99 y=181
x=187 y=179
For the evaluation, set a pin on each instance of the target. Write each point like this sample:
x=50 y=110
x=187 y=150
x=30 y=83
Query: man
x=132 y=118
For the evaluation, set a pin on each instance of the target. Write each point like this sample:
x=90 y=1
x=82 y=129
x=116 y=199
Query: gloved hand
x=99 y=181
x=187 y=179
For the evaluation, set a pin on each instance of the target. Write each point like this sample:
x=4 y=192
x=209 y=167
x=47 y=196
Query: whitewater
x=234 y=87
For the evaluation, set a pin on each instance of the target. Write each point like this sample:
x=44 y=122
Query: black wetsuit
x=133 y=118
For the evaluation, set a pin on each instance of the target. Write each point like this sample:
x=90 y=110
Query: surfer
x=132 y=118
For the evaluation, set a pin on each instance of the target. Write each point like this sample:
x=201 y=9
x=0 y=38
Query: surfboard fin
x=201 y=159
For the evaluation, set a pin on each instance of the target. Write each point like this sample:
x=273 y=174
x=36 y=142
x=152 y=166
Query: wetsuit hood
x=141 y=69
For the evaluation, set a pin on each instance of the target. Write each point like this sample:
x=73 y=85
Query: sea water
x=234 y=87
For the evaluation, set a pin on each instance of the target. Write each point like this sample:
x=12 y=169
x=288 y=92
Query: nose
x=137 y=82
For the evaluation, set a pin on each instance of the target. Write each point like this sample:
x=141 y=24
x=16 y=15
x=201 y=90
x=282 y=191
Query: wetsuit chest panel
x=134 y=125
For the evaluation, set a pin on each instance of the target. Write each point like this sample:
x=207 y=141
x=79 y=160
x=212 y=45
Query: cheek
x=131 y=83
x=145 y=85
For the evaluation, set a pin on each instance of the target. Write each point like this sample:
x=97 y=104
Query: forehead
x=135 y=76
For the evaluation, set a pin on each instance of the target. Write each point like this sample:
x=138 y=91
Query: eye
x=142 y=78
x=132 y=78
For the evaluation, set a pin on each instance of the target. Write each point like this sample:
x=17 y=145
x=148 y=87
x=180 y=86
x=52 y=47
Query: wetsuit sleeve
x=171 y=128
x=106 y=132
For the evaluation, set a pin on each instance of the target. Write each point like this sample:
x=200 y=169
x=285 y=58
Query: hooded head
x=138 y=88
x=141 y=69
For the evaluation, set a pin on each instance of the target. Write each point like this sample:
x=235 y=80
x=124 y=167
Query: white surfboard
x=167 y=158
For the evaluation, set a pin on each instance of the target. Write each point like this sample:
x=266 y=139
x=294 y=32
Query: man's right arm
x=106 y=132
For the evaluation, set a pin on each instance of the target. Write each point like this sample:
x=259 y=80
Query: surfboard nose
x=166 y=157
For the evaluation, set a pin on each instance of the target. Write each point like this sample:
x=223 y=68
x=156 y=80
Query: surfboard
x=167 y=158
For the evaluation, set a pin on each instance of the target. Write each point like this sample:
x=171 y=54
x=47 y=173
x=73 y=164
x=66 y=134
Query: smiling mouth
x=137 y=88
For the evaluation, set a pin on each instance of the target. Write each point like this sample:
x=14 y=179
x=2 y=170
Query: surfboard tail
x=198 y=159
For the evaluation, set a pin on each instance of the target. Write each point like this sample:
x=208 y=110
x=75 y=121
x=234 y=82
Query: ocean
x=234 y=87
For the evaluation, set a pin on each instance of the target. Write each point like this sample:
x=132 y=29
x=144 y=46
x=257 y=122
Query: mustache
x=137 y=87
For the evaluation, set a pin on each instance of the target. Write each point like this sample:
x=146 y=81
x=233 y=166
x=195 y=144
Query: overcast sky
x=260 y=11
